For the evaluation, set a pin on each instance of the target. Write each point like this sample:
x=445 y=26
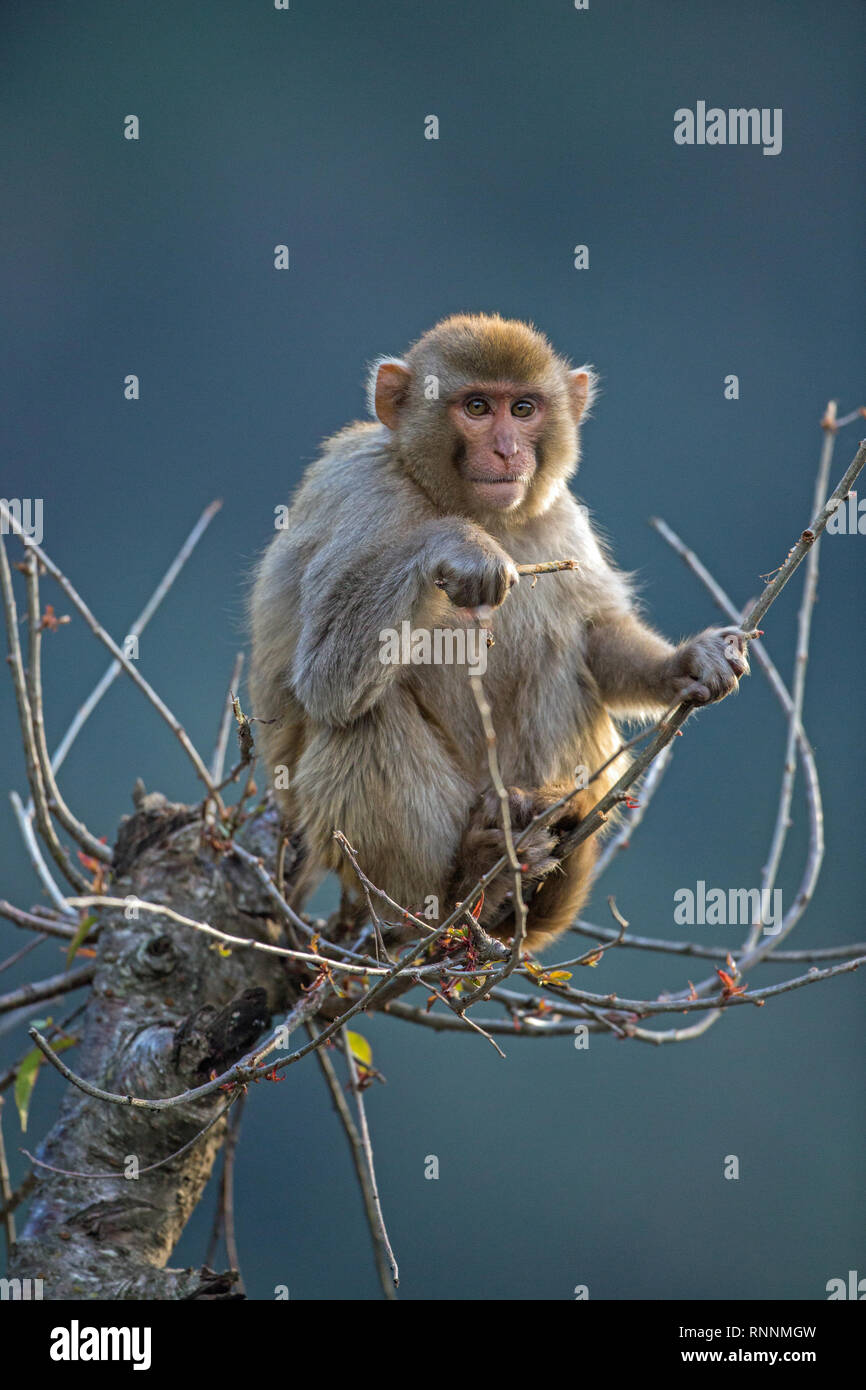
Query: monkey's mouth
x=499 y=491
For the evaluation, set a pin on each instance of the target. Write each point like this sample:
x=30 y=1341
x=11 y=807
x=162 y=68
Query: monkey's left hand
x=708 y=667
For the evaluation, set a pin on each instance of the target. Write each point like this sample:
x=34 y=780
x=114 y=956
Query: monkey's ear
x=582 y=386
x=387 y=389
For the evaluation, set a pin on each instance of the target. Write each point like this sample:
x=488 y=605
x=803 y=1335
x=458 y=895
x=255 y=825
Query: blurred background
x=155 y=257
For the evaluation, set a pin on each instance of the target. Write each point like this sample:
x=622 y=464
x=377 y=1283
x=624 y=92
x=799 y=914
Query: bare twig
x=252 y=1065
x=381 y=949
x=36 y=857
x=475 y=1026
x=151 y=1167
x=20 y=1195
x=135 y=630
x=287 y=912
x=623 y=836
x=53 y=1030
x=74 y=827
x=798 y=685
x=218 y=760
x=28 y=736
x=46 y=925
x=595 y=819
x=224 y=1216
x=369 y=888
x=248 y=942
x=858 y=414
x=519 y=905
x=548 y=567
x=357 y=1151
x=690 y=948
x=23 y=951
x=49 y=988
x=807 y=759
x=367 y=1146
x=129 y=667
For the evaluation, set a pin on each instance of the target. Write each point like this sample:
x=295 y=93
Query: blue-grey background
x=259 y=127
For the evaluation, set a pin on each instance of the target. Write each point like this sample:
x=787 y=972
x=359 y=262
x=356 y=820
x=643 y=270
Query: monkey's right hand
x=476 y=575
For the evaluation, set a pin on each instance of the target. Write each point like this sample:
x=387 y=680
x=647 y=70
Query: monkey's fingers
x=694 y=693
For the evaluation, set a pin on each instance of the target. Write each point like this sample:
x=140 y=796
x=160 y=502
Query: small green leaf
x=78 y=939
x=26 y=1078
x=24 y=1083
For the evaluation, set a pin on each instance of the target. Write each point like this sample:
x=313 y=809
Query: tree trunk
x=166 y=1011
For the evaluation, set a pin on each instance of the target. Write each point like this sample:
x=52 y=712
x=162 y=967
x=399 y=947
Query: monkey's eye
x=523 y=409
x=476 y=406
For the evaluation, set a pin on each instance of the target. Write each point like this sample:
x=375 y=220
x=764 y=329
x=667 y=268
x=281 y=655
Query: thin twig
x=53 y=1030
x=287 y=912
x=548 y=567
x=28 y=736
x=135 y=630
x=519 y=906
x=228 y=1190
x=375 y=920
x=224 y=1214
x=218 y=760
x=798 y=685
x=18 y=1196
x=369 y=887
x=74 y=827
x=596 y=817
x=690 y=948
x=50 y=988
x=25 y=950
x=129 y=667
x=36 y=857
x=356 y=1149
x=858 y=414
x=45 y=925
x=367 y=1146
x=252 y=1065
x=248 y=942
x=473 y=1024
x=623 y=836
x=807 y=759
x=151 y=1167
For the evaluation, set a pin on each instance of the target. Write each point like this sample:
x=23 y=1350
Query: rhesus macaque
x=422 y=517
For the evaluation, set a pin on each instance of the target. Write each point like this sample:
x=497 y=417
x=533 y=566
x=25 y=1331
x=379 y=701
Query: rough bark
x=166 y=1008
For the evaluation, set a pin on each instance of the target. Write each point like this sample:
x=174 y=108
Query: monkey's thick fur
x=394 y=755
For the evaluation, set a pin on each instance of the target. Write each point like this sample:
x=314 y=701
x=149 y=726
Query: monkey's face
x=484 y=416
x=497 y=428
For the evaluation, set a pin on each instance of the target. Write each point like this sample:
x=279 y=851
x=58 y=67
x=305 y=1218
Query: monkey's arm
x=340 y=667
x=639 y=673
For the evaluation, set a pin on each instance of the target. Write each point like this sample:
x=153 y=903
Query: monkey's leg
x=554 y=891
x=560 y=897
x=483 y=842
